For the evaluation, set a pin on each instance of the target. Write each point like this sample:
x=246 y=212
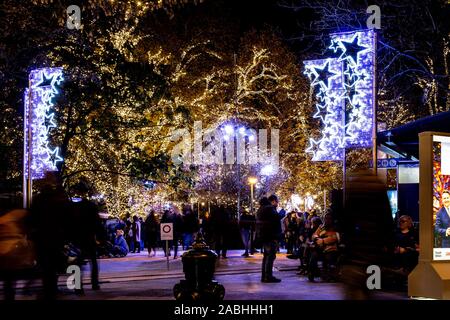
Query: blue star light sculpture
x=38 y=104
x=346 y=97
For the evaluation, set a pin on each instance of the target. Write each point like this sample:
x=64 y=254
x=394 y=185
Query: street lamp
x=252 y=181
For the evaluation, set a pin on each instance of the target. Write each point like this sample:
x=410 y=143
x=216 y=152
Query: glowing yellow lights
x=252 y=180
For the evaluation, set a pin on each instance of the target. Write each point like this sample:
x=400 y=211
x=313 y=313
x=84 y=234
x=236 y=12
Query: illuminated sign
x=40 y=119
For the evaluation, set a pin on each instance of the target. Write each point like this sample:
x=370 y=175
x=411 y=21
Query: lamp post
x=252 y=181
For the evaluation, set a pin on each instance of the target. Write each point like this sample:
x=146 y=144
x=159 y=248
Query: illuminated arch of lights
x=41 y=91
x=344 y=87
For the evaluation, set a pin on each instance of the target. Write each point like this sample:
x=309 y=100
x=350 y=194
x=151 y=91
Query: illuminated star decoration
x=351 y=48
x=356 y=51
x=323 y=73
x=329 y=111
x=39 y=102
x=314 y=148
x=321 y=113
x=346 y=97
x=53 y=156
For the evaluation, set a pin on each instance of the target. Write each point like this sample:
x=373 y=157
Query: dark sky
x=254 y=14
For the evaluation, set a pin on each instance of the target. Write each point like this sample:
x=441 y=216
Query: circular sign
x=167 y=228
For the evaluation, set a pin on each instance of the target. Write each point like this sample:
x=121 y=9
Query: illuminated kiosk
x=431 y=277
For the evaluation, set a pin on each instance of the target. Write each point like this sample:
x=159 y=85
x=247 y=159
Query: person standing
x=290 y=232
x=48 y=223
x=136 y=234
x=246 y=222
x=170 y=216
x=151 y=227
x=368 y=228
x=190 y=226
x=221 y=222
x=87 y=231
x=268 y=221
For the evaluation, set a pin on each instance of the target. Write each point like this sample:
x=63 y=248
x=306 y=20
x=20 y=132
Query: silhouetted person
x=246 y=225
x=367 y=231
x=17 y=256
x=190 y=226
x=87 y=230
x=170 y=216
x=49 y=210
x=151 y=227
x=269 y=233
x=220 y=220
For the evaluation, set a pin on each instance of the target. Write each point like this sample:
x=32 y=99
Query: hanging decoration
x=344 y=88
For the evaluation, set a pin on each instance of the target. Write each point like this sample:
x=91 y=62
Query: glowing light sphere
x=267 y=170
x=229 y=129
x=39 y=116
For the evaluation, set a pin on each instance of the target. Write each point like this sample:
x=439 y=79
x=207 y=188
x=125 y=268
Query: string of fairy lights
x=212 y=97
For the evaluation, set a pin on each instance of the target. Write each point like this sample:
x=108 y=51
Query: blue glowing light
x=229 y=129
x=330 y=110
x=344 y=86
x=267 y=170
x=358 y=54
x=39 y=102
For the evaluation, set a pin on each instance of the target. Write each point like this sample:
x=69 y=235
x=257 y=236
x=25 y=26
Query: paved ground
x=138 y=276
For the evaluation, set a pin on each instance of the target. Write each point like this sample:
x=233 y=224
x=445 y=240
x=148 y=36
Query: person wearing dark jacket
x=48 y=221
x=87 y=231
x=220 y=223
x=190 y=226
x=246 y=224
x=169 y=216
x=269 y=225
x=151 y=230
x=367 y=229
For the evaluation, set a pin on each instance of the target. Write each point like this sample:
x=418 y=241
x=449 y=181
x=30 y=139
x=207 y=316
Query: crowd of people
x=80 y=234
